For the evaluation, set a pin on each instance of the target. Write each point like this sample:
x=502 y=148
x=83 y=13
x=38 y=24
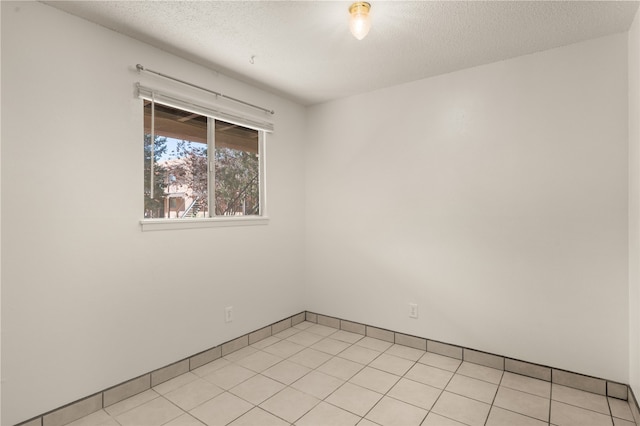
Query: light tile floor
x=314 y=375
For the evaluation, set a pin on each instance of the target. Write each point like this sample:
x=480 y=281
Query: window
x=199 y=166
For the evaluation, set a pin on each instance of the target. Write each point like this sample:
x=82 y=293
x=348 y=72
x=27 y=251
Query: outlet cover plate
x=413 y=310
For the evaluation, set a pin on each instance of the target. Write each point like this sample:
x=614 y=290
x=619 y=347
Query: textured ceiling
x=304 y=51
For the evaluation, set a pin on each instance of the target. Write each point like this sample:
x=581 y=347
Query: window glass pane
x=237 y=170
x=175 y=171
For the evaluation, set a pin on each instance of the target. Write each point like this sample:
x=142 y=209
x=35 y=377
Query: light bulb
x=360 y=21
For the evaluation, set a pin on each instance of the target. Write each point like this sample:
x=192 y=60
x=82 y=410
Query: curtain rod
x=140 y=68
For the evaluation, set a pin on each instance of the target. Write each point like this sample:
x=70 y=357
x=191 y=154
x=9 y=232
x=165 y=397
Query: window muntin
x=182 y=181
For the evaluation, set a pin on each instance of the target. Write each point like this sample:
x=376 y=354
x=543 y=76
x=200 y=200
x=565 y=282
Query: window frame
x=212 y=113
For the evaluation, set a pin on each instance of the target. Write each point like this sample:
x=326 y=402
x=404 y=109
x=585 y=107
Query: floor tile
x=310 y=358
x=523 y=403
x=258 y=417
x=193 y=394
x=375 y=380
x=286 y=372
x=330 y=346
x=240 y=353
x=258 y=335
x=287 y=333
x=264 y=343
x=325 y=414
x=153 y=413
x=440 y=361
x=290 y=404
x=472 y=388
x=526 y=384
x=428 y=375
x=365 y=422
x=221 y=410
x=502 y=417
x=284 y=348
x=568 y=415
x=354 y=398
x=257 y=389
x=527 y=369
x=304 y=338
x=169 y=372
x=322 y=330
x=175 y=383
x=415 y=393
x=185 y=420
x=229 y=376
x=579 y=398
x=405 y=352
x=99 y=418
x=305 y=378
x=462 y=409
x=434 y=419
x=259 y=361
x=340 y=368
x=347 y=336
x=620 y=409
x=375 y=344
x=480 y=372
x=391 y=364
x=304 y=325
x=579 y=381
x=130 y=403
x=359 y=354
x=210 y=367
x=391 y=412
x=317 y=384
x=621 y=422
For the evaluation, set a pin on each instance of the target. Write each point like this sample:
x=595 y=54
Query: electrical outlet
x=413 y=310
x=228 y=314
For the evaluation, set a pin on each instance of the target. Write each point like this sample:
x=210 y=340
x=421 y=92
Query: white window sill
x=208 y=222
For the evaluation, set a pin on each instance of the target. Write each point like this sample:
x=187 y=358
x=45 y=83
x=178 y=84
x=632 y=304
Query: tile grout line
x=493 y=401
x=312 y=370
x=306 y=317
x=346 y=381
x=442 y=392
x=367 y=365
x=415 y=381
x=309 y=372
x=505 y=358
x=521 y=391
x=372 y=367
x=583 y=408
x=175 y=405
x=610 y=411
x=550 y=399
x=257 y=373
x=223 y=390
x=385 y=394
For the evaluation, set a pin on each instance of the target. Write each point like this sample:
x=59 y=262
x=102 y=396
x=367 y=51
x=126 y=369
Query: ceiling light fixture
x=360 y=21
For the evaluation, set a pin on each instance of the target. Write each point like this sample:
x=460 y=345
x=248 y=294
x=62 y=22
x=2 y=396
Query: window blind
x=197 y=108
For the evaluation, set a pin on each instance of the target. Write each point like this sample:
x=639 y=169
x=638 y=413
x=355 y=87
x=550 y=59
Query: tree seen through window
x=182 y=181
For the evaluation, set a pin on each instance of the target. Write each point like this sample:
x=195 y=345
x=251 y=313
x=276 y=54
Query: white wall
x=494 y=197
x=88 y=300
x=634 y=205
